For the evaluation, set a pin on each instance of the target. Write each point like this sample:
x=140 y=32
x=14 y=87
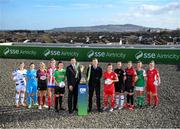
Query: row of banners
x=86 y=54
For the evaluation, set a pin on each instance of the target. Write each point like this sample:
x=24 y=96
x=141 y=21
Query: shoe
x=131 y=107
x=24 y=105
x=100 y=110
x=17 y=106
x=75 y=109
x=89 y=110
x=70 y=112
x=56 y=110
x=111 y=110
x=49 y=107
x=36 y=104
x=40 y=107
x=126 y=105
x=29 y=106
x=116 y=107
x=45 y=106
x=121 y=107
x=63 y=109
x=105 y=108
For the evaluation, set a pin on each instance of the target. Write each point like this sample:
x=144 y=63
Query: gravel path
x=166 y=115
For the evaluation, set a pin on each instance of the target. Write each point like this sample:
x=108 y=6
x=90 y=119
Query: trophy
x=83 y=75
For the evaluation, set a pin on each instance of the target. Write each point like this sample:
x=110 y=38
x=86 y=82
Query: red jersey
x=152 y=75
x=130 y=76
x=50 y=74
x=109 y=88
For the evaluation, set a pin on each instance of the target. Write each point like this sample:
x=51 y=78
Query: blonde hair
x=42 y=65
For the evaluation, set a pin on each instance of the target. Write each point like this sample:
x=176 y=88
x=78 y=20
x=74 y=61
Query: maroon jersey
x=130 y=76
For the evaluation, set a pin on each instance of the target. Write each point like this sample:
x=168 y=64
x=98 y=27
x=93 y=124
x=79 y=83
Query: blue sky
x=48 y=14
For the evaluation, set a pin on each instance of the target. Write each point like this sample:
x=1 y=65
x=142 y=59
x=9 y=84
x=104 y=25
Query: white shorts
x=20 y=88
x=139 y=88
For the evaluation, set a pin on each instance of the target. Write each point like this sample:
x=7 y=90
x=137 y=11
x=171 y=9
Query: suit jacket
x=95 y=77
x=71 y=76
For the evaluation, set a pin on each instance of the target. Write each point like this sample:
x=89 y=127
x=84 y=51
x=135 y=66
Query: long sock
x=44 y=100
x=149 y=99
x=156 y=100
x=17 y=99
x=39 y=100
x=60 y=101
x=35 y=98
x=22 y=98
x=138 y=99
x=132 y=99
x=56 y=103
x=29 y=99
x=128 y=97
x=49 y=101
x=142 y=100
x=117 y=100
x=121 y=100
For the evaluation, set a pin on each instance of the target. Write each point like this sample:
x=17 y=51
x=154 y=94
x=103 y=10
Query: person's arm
x=69 y=79
x=116 y=79
x=100 y=73
x=158 y=78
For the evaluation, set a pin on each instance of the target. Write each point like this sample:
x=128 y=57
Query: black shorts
x=119 y=87
x=59 y=90
x=129 y=89
x=42 y=85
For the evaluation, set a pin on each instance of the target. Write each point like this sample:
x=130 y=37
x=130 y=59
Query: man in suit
x=94 y=74
x=73 y=80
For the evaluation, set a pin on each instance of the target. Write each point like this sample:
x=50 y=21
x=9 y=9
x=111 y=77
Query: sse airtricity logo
x=139 y=55
x=47 y=52
x=82 y=90
x=90 y=54
x=6 y=51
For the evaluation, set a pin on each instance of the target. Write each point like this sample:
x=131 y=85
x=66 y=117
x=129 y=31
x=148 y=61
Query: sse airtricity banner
x=86 y=54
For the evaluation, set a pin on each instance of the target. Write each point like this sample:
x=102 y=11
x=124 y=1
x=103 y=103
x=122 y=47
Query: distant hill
x=106 y=28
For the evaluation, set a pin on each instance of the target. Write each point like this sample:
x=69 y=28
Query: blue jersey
x=31 y=76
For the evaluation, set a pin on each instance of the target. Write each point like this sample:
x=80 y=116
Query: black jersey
x=120 y=73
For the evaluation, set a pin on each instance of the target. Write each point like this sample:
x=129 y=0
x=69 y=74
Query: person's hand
x=70 y=87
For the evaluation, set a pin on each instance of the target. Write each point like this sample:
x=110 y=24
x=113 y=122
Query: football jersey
x=111 y=76
x=50 y=74
x=31 y=76
x=19 y=77
x=130 y=76
x=120 y=74
x=60 y=75
x=152 y=75
x=42 y=76
x=141 y=81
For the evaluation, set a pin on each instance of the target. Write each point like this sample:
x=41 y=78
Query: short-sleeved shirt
x=42 y=77
x=120 y=74
x=60 y=75
x=31 y=76
x=152 y=75
x=50 y=74
x=19 y=77
x=130 y=76
x=141 y=81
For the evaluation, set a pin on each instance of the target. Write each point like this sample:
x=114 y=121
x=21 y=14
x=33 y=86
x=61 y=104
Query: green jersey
x=141 y=81
x=60 y=75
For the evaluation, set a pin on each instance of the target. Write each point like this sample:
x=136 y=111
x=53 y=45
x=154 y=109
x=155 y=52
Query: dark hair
x=60 y=62
x=21 y=63
x=109 y=64
x=73 y=58
x=118 y=62
x=31 y=63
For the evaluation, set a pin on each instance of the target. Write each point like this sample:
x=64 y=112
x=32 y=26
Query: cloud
x=159 y=9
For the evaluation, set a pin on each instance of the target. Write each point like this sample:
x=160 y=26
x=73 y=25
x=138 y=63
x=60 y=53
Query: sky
x=48 y=14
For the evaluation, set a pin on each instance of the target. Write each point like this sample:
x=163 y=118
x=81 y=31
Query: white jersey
x=19 y=77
